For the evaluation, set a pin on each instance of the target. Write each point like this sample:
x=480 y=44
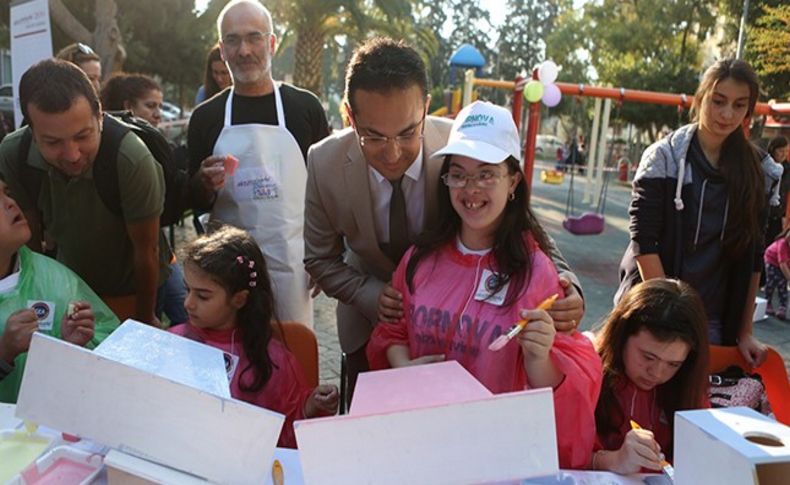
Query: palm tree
x=311 y=23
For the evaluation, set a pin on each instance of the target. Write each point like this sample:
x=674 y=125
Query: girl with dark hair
x=699 y=206
x=216 y=78
x=654 y=350
x=137 y=93
x=778 y=149
x=480 y=270
x=231 y=307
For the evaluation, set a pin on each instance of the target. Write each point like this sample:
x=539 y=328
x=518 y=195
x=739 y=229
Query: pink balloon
x=551 y=95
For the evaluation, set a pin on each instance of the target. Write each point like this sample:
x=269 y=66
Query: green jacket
x=42 y=278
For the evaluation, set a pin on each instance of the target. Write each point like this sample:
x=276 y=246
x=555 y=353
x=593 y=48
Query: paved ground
x=595 y=260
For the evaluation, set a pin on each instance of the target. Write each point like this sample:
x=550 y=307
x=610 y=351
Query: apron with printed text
x=265 y=196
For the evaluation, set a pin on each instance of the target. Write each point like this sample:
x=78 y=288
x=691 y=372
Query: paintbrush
x=668 y=469
x=278 y=477
x=503 y=339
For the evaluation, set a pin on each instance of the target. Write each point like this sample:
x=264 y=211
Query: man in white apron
x=251 y=123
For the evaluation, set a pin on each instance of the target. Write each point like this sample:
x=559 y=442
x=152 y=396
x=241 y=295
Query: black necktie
x=399 y=224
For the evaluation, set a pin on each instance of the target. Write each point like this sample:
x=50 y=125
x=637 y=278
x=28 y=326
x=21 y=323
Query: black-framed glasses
x=255 y=39
x=483 y=179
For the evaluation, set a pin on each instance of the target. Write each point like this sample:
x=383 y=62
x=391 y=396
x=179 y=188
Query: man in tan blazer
x=355 y=232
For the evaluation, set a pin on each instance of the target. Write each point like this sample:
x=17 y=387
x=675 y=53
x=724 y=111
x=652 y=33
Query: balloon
x=551 y=95
x=533 y=91
x=547 y=72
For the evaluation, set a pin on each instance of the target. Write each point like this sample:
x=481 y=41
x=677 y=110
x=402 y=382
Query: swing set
x=593 y=222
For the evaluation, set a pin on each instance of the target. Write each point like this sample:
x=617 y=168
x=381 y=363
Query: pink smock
x=445 y=283
x=287 y=389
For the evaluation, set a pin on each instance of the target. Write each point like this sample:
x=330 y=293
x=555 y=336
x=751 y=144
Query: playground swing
x=587 y=223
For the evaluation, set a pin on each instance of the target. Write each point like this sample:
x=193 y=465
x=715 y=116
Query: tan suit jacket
x=342 y=252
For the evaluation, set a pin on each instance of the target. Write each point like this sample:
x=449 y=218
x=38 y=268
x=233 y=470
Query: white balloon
x=547 y=72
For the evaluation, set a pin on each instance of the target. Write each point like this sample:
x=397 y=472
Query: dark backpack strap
x=105 y=167
x=31 y=177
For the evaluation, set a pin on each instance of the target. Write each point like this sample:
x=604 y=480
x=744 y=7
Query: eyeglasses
x=376 y=142
x=255 y=39
x=483 y=179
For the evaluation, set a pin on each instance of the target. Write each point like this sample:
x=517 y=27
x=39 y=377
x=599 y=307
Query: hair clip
x=252 y=264
x=253 y=275
x=253 y=284
x=240 y=259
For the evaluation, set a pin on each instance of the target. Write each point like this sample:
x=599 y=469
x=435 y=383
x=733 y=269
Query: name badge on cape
x=487 y=285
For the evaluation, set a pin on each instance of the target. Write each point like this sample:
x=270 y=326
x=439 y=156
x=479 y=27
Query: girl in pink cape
x=482 y=269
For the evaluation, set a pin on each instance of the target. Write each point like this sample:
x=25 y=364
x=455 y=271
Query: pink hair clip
x=252 y=264
x=253 y=284
x=253 y=275
x=240 y=259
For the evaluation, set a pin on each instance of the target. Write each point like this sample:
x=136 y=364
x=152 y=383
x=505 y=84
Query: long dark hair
x=124 y=87
x=232 y=258
x=512 y=256
x=670 y=310
x=210 y=86
x=739 y=161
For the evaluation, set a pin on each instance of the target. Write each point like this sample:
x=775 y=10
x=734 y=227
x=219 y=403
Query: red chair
x=301 y=341
x=773 y=373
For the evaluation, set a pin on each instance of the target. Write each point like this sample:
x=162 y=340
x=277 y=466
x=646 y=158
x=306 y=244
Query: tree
x=523 y=38
x=313 y=23
x=769 y=50
x=186 y=36
x=471 y=24
x=105 y=37
x=648 y=45
x=431 y=16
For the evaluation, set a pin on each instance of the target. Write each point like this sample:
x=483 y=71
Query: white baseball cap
x=485 y=132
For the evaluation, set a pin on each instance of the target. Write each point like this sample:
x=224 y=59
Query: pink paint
x=231 y=164
x=64 y=471
x=70 y=437
x=414 y=387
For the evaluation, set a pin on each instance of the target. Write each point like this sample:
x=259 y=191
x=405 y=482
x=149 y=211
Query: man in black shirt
x=247 y=149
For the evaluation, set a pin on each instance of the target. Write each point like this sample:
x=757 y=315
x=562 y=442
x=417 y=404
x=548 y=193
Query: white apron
x=266 y=198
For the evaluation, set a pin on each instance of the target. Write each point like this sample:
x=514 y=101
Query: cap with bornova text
x=485 y=132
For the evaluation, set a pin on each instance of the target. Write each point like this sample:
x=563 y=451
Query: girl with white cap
x=480 y=270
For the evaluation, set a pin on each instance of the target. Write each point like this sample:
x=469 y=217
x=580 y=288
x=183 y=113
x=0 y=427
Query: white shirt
x=465 y=250
x=413 y=186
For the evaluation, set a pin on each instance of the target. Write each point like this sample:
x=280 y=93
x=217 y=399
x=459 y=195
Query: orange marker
x=503 y=339
x=670 y=472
